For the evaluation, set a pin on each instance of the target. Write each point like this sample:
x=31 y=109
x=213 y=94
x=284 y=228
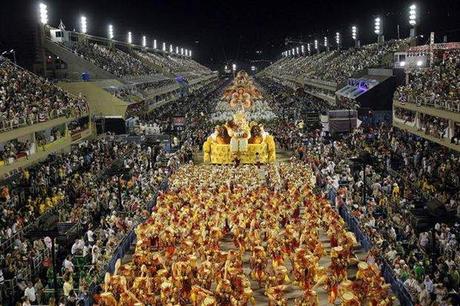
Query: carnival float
x=238 y=139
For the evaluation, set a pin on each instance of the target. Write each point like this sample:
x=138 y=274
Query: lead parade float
x=237 y=139
x=236 y=236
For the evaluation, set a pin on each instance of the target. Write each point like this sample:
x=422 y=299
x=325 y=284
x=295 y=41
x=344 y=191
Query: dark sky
x=219 y=31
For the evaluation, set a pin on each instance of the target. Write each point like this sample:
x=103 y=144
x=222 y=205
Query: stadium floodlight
x=177 y=50
x=378 y=26
x=325 y=41
x=163 y=47
x=413 y=15
x=308 y=48
x=171 y=48
x=302 y=49
x=43 y=10
x=190 y=53
x=297 y=50
x=130 y=38
x=154 y=44
x=337 y=38
x=186 y=52
x=110 y=31
x=354 y=32
x=83 y=25
x=181 y=51
x=293 y=51
x=316 y=44
x=144 y=41
x=234 y=67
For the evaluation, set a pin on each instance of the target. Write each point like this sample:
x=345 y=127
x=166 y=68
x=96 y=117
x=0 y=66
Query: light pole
x=337 y=40
x=83 y=25
x=130 y=38
x=43 y=13
x=354 y=35
x=412 y=19
x=316 y=46
x=144 y=41
x=378 y=29
x=110 y=32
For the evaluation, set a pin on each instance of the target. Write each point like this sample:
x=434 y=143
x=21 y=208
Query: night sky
x=227 y=31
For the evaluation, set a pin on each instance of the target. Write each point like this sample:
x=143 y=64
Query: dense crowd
x=437 y=85
x=386 y=212
x=83 y=193
x=113 y=60
x=337 y=65
x=407 y=116
x=26 y=99
x=172 y=64
x=408 y=171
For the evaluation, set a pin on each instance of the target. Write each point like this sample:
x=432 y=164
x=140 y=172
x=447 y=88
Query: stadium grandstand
x=323 y=170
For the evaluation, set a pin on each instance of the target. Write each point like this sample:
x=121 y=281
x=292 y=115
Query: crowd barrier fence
x=388 y=274
x=121 y=250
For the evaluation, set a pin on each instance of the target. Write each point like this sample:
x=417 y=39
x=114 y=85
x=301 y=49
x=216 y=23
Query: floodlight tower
x=378 y=29
x=130 y=38
x=337 y=40
x=413 y=19
x=83 y=25
x=189 y=53
x=309 y=48
x=316 y=46
x=163 y=47
x=144 y=41
x=110 y=32
x=110 y=35
x=42 y=28
x=171 y=48
x=326 y=45
x=154 y=44
x=302 y=49
x=354 y=35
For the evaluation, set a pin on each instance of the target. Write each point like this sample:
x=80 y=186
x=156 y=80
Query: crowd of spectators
x=387 y=211
x=86 y=195
x=173 y=64
x=436 y=86
x=113 y=60
x=434 y=126
x=407 y=116
x=26 y=99
x=407 y=172
x=338 y=65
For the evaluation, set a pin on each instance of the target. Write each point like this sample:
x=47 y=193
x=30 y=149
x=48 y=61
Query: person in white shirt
x=68 y=265
x=95 y=253
x=29 y=292
x=77 y=247
x=90 y=236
